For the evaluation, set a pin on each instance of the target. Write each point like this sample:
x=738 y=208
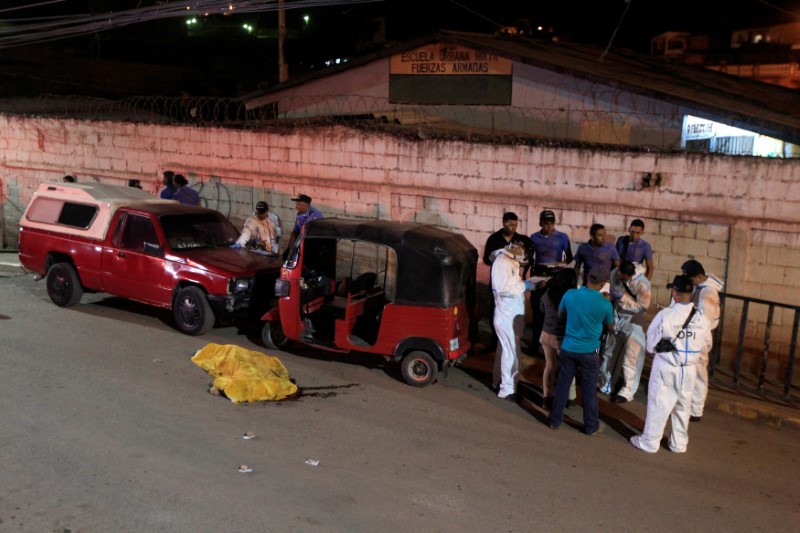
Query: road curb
x=762 y=415
x=9 y=264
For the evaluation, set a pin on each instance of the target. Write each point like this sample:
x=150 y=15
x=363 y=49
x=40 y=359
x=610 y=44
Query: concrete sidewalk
x=720 y=401
x=9 y=264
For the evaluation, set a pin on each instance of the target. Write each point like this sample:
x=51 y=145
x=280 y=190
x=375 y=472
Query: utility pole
x=283 y=69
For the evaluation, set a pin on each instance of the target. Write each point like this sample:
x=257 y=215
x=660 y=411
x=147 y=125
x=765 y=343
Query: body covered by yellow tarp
x=244 y=375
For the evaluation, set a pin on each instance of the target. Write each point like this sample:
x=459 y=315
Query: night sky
x=245 y=61
x=586 y=21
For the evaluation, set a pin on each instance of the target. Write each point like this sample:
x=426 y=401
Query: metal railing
x=757 y=382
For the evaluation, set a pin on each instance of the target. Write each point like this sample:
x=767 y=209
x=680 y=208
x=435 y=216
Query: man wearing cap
x=258 y=230
x=677 y=336
x=638 y=251
x=596 y=252
x=305 y=214
x=551 y=248
x=630 y=295
x=508 y=291
x=588 y=315
x=706 y=298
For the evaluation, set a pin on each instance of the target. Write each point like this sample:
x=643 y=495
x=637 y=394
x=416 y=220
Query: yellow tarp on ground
x=244 y=375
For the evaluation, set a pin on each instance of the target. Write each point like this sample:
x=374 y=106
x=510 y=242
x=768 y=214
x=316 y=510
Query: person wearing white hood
x=677 y=335
x=508 y=291
x=706 y=298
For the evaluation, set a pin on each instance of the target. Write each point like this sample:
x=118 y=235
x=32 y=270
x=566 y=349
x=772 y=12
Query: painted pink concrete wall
x=740 y=216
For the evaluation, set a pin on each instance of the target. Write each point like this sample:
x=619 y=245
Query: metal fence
x=727 y=368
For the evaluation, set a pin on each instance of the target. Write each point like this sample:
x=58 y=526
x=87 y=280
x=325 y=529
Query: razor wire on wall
x=657 y=130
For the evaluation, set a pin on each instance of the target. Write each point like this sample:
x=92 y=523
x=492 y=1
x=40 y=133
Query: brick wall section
x=717 y=209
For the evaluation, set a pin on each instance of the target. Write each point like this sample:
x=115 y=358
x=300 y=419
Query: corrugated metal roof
x=741 y=102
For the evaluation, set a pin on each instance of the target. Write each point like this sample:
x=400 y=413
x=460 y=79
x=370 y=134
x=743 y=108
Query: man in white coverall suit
x=706 y=299
x=631 y=295
x=672 y=377
x=508 y=291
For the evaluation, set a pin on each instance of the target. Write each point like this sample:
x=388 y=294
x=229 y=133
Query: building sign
x=446 y=74
x=704 y=135
x=448 y=59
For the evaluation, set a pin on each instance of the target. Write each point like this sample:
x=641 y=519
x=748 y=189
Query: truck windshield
x=198 y=230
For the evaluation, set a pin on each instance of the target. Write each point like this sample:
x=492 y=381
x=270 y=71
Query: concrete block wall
x=740 y=216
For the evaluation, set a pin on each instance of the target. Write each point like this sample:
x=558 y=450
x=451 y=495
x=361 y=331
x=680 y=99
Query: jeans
x=568 y=363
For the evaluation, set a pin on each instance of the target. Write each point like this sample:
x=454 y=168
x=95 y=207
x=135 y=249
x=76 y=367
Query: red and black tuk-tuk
x=402 y=290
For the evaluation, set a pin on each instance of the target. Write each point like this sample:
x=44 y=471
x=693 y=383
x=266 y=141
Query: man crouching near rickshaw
x=508 y=291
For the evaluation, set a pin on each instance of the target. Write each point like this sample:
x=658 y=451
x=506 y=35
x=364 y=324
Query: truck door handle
x=121 y=254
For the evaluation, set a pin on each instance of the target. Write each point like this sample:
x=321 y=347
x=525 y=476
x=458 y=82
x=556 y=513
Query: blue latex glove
x=236 y=246
x=615 y=294
x=529 y=285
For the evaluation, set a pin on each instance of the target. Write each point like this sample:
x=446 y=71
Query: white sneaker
x=636 y=442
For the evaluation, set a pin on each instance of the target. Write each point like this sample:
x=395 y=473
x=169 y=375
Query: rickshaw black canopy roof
x=435 y=267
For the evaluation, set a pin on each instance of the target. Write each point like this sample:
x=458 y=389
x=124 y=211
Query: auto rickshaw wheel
x=273 y=336
x=418 y=368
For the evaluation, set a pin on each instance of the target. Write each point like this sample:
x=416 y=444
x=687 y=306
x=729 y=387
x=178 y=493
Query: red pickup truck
x=122 y=241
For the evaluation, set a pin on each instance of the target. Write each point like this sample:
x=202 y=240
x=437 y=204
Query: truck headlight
x=240 y=285
x=281 y=288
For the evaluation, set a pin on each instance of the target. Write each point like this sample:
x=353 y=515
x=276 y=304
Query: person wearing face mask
x=497 y=240
x=508 y=291
x=503 y=236
x=596 y=252
x=624 y=354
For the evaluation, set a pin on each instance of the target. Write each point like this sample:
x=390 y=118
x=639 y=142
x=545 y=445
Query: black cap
x=598 y=274
x=262 y=207
x=302 y=198
x=692 y=268
x=547 y=215
x=681 y=284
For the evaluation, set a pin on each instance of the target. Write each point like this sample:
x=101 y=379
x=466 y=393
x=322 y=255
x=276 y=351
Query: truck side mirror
x=154 y=249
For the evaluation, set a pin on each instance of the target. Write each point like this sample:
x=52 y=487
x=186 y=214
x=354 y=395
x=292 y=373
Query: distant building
x=770 y=54
x=512 y=86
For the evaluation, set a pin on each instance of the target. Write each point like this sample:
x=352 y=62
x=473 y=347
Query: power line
x=44 y=29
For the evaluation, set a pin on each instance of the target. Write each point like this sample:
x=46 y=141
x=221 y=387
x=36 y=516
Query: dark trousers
x=568 y=364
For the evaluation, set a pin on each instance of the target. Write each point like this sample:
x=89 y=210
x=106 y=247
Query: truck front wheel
x=63 y=285
x=193 y=314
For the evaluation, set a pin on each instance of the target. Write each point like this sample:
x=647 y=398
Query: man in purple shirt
x=305 y=214
x=185 y=194
x=596 y=252
x=636 y=250
x=550 y=248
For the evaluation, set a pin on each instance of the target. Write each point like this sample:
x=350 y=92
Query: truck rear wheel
x=273 y=336
x=418 y=368
x=193 y=314
x=63 y=285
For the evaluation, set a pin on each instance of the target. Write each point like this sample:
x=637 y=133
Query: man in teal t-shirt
x=588 y=315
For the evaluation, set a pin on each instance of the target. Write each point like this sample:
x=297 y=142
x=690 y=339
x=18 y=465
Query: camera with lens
x=665 y=345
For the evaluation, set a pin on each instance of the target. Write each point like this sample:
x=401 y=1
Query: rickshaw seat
x=363 y=282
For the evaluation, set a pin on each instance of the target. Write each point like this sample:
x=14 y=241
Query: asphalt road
x=107 y=425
